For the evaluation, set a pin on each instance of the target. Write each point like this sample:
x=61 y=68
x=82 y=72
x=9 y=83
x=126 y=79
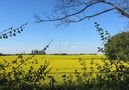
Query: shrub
x=117 y=47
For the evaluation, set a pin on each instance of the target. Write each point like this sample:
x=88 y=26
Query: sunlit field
x=59 y=64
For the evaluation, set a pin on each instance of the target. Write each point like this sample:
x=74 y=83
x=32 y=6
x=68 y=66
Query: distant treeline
x=42 y=53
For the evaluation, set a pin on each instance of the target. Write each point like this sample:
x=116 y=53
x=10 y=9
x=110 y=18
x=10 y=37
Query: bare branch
x=94 y=15
x=117 y=8
x=38 y=19
x=72 y=11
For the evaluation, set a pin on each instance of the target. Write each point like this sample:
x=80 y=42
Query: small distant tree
x=1 y=54
x=32 y=52
x=20 y=56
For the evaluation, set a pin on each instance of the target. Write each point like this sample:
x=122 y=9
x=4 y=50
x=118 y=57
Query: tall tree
x=73 y=11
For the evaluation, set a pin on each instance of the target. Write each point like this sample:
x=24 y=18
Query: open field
x=59 y=64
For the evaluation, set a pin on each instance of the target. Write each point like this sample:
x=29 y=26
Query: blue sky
x=74 y=38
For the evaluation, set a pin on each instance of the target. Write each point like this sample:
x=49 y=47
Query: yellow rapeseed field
x=59 y=64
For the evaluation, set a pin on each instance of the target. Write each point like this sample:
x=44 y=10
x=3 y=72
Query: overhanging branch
x=94 y=15
x=77 y=15
x=117 y=8
x=38 y=19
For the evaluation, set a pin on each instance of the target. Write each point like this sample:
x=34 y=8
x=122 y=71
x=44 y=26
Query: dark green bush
x=117 y=47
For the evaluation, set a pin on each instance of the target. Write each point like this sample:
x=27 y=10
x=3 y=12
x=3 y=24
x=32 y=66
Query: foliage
x=109 y=75
x=118 y=47
x=105 y=78
x=11 y=32
x=104 y=35
x=115 y=47
x=18 y=78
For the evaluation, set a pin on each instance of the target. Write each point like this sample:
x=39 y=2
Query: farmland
x=59 y=64
x=65 y=71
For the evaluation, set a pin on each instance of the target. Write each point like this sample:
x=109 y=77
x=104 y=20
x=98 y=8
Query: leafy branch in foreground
x=15 y=70
x=104 y=35
x=10 y=32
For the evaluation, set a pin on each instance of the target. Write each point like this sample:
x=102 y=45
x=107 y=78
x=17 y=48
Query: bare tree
x=72 y=11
